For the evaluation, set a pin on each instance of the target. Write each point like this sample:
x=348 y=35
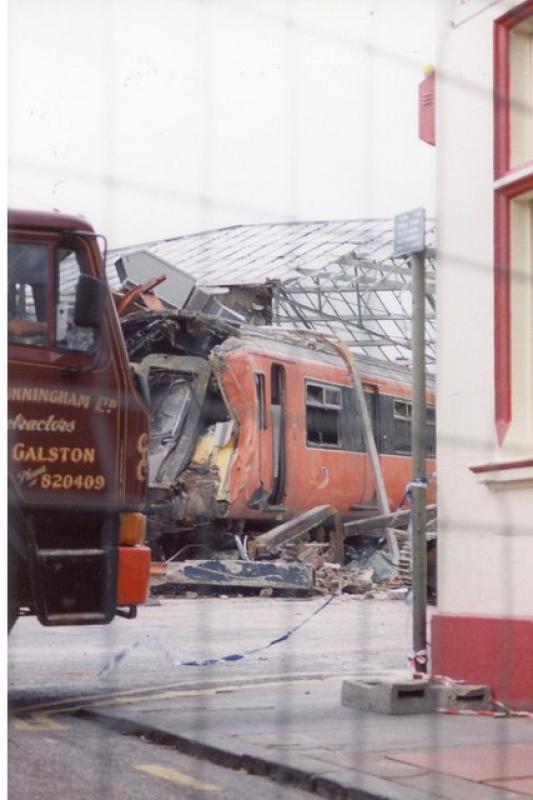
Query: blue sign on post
x=409 y=232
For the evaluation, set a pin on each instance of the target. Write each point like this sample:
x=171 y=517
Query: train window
x=403 y=417
x=402 y=414
x=430 y=431
x=332 y=397
x=403 y=410
x=260 y=389
x=315 y=394
x=323 y=405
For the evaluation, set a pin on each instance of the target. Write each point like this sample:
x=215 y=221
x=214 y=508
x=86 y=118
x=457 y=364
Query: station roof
x=244 y=255
x=337 y=276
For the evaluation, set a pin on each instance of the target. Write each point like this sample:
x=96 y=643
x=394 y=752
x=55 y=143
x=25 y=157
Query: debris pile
x=367 y=571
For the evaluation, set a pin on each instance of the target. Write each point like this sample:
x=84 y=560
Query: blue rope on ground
x=232 y=658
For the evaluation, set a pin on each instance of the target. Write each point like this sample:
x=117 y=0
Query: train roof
x=315 y=344
x=210 y=332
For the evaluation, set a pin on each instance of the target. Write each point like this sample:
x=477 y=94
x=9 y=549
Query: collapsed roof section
x=336 y=277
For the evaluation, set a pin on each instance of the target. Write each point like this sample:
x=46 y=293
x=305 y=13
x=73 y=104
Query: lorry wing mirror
x=90 y=299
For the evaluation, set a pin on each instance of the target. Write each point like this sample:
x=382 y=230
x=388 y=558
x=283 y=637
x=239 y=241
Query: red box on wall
x=426 y=109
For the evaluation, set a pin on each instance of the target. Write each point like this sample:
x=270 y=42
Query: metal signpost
x=409 y=241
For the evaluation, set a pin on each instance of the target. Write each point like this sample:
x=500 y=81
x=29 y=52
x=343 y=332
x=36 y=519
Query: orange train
x=251 y=426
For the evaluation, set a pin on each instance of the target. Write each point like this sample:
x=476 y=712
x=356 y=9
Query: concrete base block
x=410 y=696
x=463 y=696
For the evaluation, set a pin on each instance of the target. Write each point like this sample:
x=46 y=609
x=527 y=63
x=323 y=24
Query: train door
x=279 y=447
x=372 y=403
x=372 y=398
x=264 y=440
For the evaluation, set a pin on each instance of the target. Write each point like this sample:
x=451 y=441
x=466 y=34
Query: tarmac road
x=157 y=691
x=346 y=636
x=75 y=759
x=55 y=671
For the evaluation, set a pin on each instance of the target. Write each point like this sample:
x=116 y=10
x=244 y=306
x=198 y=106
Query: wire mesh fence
x=254 y=145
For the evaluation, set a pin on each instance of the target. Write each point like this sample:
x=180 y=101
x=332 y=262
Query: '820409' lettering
x=67 y=481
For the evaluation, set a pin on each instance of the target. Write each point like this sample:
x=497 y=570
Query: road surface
x=176 y=647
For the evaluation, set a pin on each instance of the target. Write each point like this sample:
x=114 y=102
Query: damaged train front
x=193 y=433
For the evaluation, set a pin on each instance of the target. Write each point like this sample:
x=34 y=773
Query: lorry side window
x=27 y=293
x=70 y=265
x=323 y=406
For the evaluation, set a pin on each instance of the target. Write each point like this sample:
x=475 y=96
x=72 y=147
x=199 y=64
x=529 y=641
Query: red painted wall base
x=497 y=651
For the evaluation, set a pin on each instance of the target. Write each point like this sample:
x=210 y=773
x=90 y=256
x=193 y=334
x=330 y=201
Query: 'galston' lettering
x=61 y=455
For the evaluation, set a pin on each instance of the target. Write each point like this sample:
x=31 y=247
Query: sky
x=155 y=118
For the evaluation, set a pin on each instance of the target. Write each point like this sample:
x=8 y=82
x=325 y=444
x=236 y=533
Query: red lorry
x=78 y=432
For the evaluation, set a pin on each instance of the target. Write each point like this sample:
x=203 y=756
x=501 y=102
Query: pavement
x=295 y=729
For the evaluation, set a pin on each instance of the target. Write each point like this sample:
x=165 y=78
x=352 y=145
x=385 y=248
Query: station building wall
x=483 y=628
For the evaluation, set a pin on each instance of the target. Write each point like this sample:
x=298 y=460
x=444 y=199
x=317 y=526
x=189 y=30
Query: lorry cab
x=77 y=431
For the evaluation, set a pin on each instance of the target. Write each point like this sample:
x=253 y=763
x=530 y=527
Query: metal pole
x=371 y=449
x=418 y=490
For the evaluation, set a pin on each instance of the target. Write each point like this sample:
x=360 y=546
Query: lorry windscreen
x=42 y=284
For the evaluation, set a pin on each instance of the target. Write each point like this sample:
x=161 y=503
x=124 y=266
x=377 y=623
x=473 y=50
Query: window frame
x=327 y=407
x=406 y=422
x=50 y=320
x=510 y=182
x=78 y=246
x=51 y=354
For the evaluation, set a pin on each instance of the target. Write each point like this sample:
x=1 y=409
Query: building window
x=513 y=221
x=323 y=406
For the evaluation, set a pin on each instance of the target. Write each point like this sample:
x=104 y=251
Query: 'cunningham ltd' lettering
x=55 y=396
x=61 y=455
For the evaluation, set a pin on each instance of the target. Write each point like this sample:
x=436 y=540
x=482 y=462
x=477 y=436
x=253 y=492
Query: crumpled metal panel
x=252 y=574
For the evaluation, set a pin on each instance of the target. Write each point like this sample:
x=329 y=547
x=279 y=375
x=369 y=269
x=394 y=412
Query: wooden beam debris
x=362 y=526
x=298 y=526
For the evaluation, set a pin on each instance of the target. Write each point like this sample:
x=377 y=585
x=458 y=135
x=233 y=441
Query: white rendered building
x=483 y=629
